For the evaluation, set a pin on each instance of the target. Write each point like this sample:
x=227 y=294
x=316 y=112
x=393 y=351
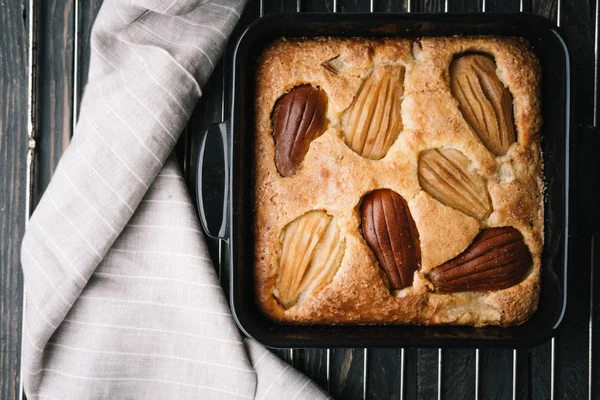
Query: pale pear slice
x=444 y=174
x=311 y=253
x=373 y=122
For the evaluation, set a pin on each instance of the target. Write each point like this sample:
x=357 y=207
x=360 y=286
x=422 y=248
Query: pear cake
x=398 y=181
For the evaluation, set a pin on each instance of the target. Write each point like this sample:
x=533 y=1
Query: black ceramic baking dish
x=225 y=168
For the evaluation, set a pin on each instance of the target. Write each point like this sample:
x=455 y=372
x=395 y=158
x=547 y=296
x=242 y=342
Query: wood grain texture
x=346 y=373
x=390 y=5
x=353 y=6
x=312 y=362
x=572 y=341
x=54 y=95
x=577 y=24
x=545 y=8
x=458 y=370
x=88 y=9
x=427 y=373
x=492 y=384
x=540 y=363
x=282 y=6
x=411 y=369
x=385 y=369
x=13 y=155
x=429 y=6
x=465 y=5
x=317 y=5
x=501 y=5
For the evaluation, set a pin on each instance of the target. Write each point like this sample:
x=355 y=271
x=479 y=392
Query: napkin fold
x=122 y=300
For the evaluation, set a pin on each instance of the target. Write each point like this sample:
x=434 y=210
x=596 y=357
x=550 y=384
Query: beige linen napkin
x=122 y=299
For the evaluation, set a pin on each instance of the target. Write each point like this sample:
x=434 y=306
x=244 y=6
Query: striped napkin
x=122 y=300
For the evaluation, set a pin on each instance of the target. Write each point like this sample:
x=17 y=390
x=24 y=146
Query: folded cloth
x=122 y=301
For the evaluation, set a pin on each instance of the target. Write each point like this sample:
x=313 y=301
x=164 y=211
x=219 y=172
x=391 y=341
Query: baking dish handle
x=212 y=188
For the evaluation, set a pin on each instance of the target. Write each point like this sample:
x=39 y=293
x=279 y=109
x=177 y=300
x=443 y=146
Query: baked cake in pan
x=398 y=181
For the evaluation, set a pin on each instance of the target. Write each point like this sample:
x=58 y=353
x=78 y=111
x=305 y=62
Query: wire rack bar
x=593 y=239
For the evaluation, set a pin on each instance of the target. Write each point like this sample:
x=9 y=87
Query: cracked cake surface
x=398 y=181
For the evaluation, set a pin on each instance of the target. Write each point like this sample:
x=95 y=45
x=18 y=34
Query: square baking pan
x=225 y=177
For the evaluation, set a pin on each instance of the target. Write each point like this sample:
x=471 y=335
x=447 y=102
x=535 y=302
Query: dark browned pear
x=498 y=258
x=298 y=119
x=391 y=233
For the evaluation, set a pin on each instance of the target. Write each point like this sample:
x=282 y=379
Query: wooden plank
x=427 y=373
x=525 y=5
x=495 y=373
x=464 y=5
x=346 y=373
x=545 y=8
x=384 y=374
x=411 y=384
x=281 y=6
x=88 y=10
x=313 y=363
x=572 y=340
x=429 y=6
x=54 y=48
x=540 y=374
x=317 y=5
x=13 y=190
x=458 y=374
x=500 y=5
x=353 y=6
x=577 y=24
x=390 y=5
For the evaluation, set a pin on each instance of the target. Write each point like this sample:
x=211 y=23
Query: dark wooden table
x=43 y=69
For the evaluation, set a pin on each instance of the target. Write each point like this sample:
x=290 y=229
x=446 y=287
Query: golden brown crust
x=334 y=178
